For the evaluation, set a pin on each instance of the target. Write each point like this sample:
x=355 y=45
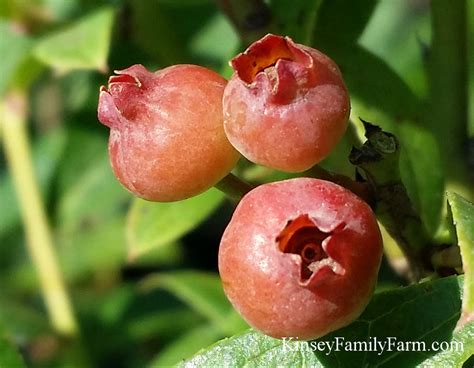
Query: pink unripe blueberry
x=166 y=140
x=286 y=106
x=300 y=257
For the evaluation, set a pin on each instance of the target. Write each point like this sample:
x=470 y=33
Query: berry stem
x=360 y=189
x=251 y=18
x=378 y=160
x=233 y=187
x=38 y=234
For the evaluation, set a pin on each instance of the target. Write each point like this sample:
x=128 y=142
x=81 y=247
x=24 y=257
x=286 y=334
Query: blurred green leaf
x=165 y=29
x=82 y=45
x=9 y=356
x=84 y=149
x=368 y=78
x=388 y=30
x=91 y=208
x=164 y=323
x=79 y=89
x=296 y=19
x=462 y=212
x=154 y=32
x=152 y=225
x=47 y=152
x=202 y=291
x=184 y=3
x=104 y=197
x=207 y=44
x=169 y=254
x=395 y=314
x=371 y=81
x=186 y=345
x=399 y=32
x=340 y=22
x=93 y=249
x=422 y=173
x=14 y=48
x=20 y=319
x=62 y=10
x=337 y=161
x=375 y=86
x=26 y=12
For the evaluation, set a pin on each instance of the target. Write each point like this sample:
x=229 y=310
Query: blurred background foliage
x=142 y=276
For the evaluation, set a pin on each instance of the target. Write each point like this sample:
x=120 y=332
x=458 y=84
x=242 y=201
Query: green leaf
x=186 y=345
x=399 y=35
x=422 y=173
x=104 y=196
x=82 y=45
x=296 y=18
x=165 y=29
x=9 y=356
x=94 y=248
x=207 y=45
x=463 y=349
x=155 y=33
x=201 y=291
x=424 y=313
x=91 y=209
x=152 y=225
x=251 y=349
x=14 y=48
x=84 y=149
x=375 y=86
x=341 y=22
x=21 y=319
x=463 y=217
x=370 y=80
x=184 y=3
x=164 y=323
x=169 y=254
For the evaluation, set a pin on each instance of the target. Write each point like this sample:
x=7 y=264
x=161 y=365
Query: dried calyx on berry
x=303 y=238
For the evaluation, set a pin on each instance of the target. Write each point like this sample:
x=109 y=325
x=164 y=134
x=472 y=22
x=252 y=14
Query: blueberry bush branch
x=378 y=161
x=233 y=187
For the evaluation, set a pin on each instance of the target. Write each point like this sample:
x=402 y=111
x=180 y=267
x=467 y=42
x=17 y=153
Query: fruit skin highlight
x=300 y=257
x=286 y=106
x=167 y=141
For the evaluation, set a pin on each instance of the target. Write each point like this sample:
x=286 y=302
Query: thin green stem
x=448 y=90
x=38 y=234
x=251 y=18
x=233 y=187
